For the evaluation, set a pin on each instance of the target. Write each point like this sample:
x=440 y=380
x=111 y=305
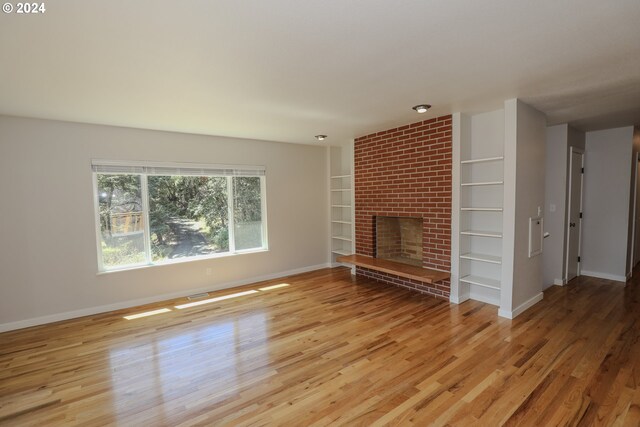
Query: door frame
x=632 y=255
x=568 y=218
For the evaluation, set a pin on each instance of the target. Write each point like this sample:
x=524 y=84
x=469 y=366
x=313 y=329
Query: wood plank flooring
x=332 y=350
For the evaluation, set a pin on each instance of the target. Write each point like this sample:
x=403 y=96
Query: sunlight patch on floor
x=147 y=313
x=206 y=301
x=210 y=300
x=268 y=288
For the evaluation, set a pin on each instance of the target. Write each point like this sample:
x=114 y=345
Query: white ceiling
x=286 y=70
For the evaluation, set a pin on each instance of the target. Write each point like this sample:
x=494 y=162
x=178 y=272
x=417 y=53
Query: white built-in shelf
x=482 y=233
x=485 y=159
x=492 y=259
x=341 y=252
x=342 y=204
x=481 y=281
x=477 y=261
x=473 y=184
x=482 y=209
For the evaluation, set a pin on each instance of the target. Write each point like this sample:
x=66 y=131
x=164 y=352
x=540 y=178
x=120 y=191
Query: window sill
x=182 y=261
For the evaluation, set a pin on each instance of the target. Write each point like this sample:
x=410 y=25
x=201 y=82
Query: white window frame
x=229 y=171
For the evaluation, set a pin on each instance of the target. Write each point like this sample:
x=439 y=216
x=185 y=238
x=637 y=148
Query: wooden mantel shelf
x=399 y=269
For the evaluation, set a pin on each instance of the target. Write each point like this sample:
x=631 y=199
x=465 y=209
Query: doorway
x=574 y=213
x=635 y=244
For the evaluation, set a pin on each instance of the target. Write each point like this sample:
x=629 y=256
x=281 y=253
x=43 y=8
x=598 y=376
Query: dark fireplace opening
x=399 y=239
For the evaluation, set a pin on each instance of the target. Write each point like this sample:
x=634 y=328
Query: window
x=247 y=212
x=121 y=222
x=188 y=216
x=154 y=214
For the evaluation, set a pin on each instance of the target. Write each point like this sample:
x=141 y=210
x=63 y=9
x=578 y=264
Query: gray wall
x=48 y=258
x=555 y=204
x=607 y=186
x=531 y=131
x=525 y=135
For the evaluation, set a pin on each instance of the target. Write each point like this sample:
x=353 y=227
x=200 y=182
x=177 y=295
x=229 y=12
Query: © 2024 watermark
x=24 y=8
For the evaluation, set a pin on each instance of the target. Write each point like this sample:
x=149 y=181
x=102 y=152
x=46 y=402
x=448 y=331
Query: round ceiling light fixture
x=321 y=137
x=422 y=108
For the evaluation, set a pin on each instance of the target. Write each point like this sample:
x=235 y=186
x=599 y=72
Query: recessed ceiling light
x=422 y=108
x=321 y=137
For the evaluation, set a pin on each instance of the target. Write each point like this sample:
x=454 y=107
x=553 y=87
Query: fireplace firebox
x=399 y=239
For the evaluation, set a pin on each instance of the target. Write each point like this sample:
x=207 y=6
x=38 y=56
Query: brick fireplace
x=405 y=172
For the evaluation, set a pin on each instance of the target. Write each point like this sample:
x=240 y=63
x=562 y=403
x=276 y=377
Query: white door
x=574 y=214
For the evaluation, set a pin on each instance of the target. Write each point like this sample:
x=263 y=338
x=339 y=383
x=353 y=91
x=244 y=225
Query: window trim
x=231 y=218
x=130 y=267
x=258 y=172
x=136 y=167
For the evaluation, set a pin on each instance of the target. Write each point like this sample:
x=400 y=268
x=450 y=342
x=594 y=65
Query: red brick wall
x=406 y=171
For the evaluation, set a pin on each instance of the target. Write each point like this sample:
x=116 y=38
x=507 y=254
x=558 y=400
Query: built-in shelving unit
x=482 y=160
x=496 y=234
x=471 y=184
x=481 y=281
x=482 y=209
x=340 y=252
x=341 y=201
x=491 y=234
x=491 y=259
x=341 y=214
x=480 y=178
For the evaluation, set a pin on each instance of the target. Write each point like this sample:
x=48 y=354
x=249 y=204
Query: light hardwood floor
x=331 y=350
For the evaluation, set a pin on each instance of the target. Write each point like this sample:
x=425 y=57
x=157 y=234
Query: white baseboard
x=521 y=308
x=559 y=282
x=20 y=324
x=600 y=275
